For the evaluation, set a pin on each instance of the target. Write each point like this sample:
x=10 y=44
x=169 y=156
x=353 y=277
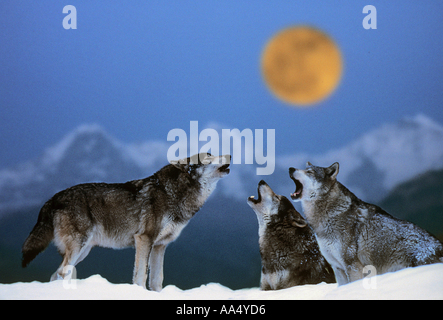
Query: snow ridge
x=424 y=282
x=370 y=166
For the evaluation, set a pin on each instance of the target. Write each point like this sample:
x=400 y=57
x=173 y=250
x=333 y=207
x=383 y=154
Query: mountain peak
x=54 y=154
x=89 y=128
x=399 y=150
x=422 y=120
x=86 y=154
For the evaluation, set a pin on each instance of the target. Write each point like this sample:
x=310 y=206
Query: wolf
x=148 y=214
x=289 y=251
x=353 y=234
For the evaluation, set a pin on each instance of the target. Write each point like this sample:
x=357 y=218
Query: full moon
x=301 y=65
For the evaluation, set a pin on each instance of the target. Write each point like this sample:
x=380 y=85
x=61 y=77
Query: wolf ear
x=332 y=171
x=308 y=164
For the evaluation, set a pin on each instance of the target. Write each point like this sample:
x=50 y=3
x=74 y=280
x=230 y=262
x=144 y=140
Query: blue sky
x=142 y=68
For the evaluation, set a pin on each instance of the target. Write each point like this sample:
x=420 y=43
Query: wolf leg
x=59 y=274
x=355 y=271
x=72 y=256
x=84 y=252
x=340 y=276
x=156 y=267
x=264 y=284
x=143 y=246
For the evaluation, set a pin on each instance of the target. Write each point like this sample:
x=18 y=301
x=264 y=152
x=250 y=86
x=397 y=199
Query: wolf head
x=313 y=182
x=204 y=165
x=271 y=208
x=192 y=180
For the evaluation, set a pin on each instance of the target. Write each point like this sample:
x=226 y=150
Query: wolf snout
x=291 y=171
x=224 y=168
x=224 y=161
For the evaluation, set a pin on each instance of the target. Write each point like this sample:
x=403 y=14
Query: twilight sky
x=142 y=68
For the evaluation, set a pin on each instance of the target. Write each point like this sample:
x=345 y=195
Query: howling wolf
x=148 y=214
x=289 y=252
x=353 y=234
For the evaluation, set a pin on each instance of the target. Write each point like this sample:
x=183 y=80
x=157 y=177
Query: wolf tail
x=40 y=236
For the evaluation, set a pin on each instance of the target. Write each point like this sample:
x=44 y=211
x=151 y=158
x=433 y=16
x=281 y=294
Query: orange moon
x=302 y=65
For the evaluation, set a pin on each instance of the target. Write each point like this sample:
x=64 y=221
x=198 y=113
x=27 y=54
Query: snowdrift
x=425 y=282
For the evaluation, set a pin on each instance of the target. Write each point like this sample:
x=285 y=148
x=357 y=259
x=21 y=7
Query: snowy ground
x=424 y=282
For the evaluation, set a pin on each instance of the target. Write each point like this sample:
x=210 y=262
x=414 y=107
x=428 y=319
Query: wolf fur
x=147 y=213
x=289 y=251
x=353 y=234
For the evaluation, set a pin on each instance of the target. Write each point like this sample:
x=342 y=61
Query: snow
x=425 y=282
x=55 y=153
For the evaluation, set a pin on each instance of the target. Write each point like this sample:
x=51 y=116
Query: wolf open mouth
x=224 y=168
x=252 y=198
x=298 y=189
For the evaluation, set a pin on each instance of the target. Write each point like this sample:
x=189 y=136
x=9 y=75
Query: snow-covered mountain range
x=375 y=163
x=370 y=166
x=87 y=154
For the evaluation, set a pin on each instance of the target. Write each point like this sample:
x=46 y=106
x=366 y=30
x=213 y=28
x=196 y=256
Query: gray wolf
x=353 y=234
x=289 y=251
x=148 y=214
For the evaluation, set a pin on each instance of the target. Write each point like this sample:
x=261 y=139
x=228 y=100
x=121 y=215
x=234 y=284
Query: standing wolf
x=289 y=251
x=147 y=214
x=353 y=234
